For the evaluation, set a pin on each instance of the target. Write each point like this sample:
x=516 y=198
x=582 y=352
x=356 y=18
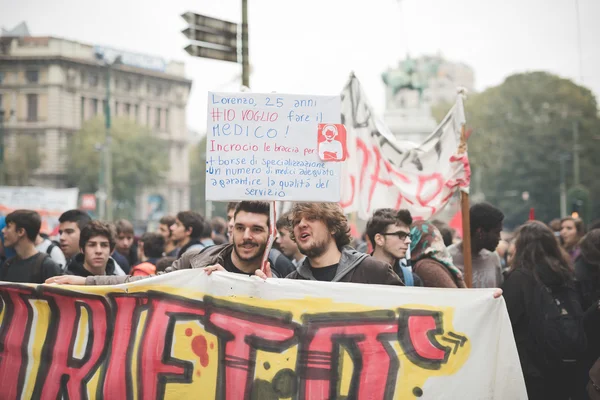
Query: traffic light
x=579 y=199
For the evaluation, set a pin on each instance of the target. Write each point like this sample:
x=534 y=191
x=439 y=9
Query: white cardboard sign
x=263 y=146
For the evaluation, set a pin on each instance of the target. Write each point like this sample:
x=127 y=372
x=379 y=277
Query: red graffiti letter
x=377 y=367
x=14 y=335
x=117 y=382
x=240 y=334
x=416 y=332
x=156 y=365
x=67 y=376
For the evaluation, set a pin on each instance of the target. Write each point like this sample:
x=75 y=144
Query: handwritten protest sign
x=264 y=147
x=187 y=335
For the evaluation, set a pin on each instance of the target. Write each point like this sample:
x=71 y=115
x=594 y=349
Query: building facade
x=50 y=86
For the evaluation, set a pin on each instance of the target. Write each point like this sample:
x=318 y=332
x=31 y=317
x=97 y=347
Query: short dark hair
x=124 y=227
x=207 y=231
x=232 y=205
x=445 y=230
x=594 y=225
x=284 y=222
x=218 y=224
x=485 y=216
x=154 y=244
x=192 y=219
x=219 y=239
x=167 y=220
x=255 y=207
x=28 y=220
x=81 y=218
x=97 y=228
x=164 y=263
x=384 y=217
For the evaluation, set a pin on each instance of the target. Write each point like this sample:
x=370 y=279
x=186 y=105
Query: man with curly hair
x=322 y=233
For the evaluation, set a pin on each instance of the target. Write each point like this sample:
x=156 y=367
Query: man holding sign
x=321 y=231
x=243 y=256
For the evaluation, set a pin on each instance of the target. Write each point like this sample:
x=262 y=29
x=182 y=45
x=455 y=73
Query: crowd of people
x=549 y=274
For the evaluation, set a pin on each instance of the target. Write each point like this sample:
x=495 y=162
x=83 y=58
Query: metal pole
x=107 y=152
x=245 y=52
x=579 y=53
x=576 y=153
x=2 y=169
x=563 y=185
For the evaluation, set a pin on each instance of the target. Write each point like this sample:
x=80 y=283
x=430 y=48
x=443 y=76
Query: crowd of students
x=551 y=281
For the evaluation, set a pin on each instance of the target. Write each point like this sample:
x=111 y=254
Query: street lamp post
x=2 y=168
x=107 y=151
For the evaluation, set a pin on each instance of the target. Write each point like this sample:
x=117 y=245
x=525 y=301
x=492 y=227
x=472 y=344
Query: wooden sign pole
x=466 y=218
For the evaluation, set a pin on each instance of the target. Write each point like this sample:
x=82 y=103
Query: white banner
x=187 y=335
x=38 y=198
x=380 y=173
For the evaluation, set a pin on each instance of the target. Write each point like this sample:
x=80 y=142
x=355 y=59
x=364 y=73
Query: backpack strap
x=50 y=248
x=37 y=267
x=4 y=268
x=408 y=276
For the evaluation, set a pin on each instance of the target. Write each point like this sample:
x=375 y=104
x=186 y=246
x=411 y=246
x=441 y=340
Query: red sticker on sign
x=331 y=142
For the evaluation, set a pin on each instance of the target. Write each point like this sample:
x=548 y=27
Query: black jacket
x=75 y=267
x=355 y=267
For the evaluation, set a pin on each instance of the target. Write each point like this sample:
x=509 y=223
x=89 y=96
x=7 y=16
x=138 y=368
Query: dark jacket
x=193 y=259
x=355 y=267
x=75 y=267
x=280 y=263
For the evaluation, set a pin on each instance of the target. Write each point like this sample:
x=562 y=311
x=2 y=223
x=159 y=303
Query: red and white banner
x=381 y=173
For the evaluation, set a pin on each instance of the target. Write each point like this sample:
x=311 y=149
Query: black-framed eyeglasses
x=400 y=234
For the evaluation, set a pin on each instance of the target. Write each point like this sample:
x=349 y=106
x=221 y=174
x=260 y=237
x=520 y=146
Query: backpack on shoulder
x=556 y=328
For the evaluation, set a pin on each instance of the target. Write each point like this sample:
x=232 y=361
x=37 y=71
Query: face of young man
x=394 y=241
x=288 y=247
x=230 y=215
x=250 y=235
x=492 y=238
x=178 y=231
x=165 y=231
x=96 y=252
x=124 y=242
x=11 y=236
x=312 y=236
x=69 y=238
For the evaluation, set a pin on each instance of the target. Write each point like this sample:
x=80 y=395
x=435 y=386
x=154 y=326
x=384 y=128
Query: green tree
x=21 y=164
x=198 y=181
x=139 y=160
x=520 y=129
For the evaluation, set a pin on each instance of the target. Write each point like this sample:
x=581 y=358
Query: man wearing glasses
x=389 y=233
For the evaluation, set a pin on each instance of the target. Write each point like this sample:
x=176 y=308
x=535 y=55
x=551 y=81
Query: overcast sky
x=310 y=46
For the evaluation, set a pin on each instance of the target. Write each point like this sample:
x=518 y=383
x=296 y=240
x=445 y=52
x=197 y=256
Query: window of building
x=82 y=109
x=32 y=76
x=1 y=76
x=94 y=107
x=3 y=112
x=157 y=120
x=116 y=112
x=167 y=119
x=93 y=80
x=128 y=109
x=159 y=91
x=136 y=111
x=128 y=85
x=32 y=107
x=148 y=116
x=104 y=107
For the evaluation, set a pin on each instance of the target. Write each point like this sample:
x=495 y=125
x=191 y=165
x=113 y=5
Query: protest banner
x=49 y=203
x=265 y=147
x=380 y=173
x=225 y=336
